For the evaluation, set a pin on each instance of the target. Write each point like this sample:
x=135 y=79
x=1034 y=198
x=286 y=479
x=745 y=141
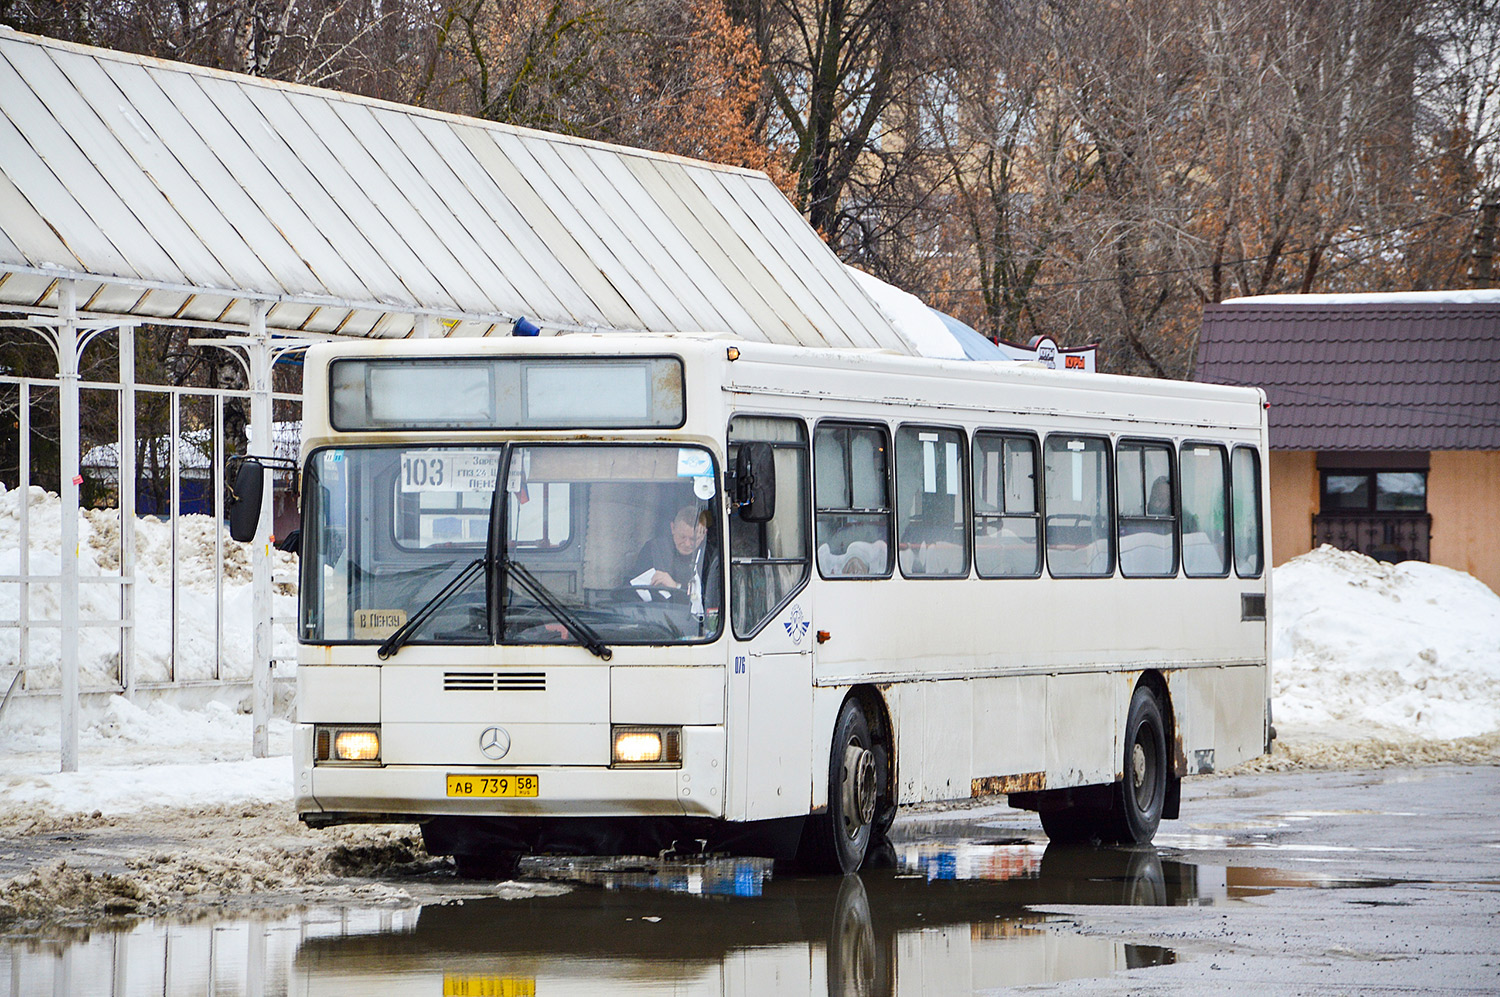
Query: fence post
x=68 y=482
x=125 y=467
x=259 y=351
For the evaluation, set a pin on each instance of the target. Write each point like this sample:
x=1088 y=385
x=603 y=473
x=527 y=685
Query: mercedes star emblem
x=494 y=742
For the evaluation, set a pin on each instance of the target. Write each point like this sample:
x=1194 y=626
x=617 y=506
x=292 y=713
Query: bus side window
x=1245 y=487
x=930 y=483
x=769 y=562
x=1080 y=534
x=1205 y=539
x=852 y=495
x=1007 y=533
x=1147 y=499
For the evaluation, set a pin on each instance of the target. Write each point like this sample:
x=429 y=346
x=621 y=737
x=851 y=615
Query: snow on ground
x=1363 y=649
x=99 y=557
x=134 y=758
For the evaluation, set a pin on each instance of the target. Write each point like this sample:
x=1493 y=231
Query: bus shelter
x=263 y=216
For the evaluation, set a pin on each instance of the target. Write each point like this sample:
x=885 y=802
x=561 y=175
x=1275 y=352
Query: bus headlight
x=347 y=744
x=646 y=747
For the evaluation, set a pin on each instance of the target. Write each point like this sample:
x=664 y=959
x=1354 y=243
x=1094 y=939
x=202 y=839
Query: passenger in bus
x=1160 y=501
x=682 y=560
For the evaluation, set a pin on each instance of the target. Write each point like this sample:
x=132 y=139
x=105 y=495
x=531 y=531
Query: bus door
x=771 y=615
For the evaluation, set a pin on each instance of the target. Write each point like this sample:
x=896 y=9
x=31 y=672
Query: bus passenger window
x=1245 y=486
x=1205 y=541
x=1007 y=534
x=769 y=562
x=1080 y=535
x=1148 y=510
x=852 y=490
x=930 y=484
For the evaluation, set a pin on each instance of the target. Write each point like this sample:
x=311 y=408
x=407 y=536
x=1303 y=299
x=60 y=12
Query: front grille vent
x=494 y=681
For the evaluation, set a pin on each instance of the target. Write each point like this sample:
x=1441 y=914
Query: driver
x=681 y=559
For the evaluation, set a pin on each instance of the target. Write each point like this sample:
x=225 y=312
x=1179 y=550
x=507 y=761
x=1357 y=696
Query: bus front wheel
x=837 y=840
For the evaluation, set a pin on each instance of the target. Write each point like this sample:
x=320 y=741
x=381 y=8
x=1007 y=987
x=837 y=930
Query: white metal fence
x=54 y=622
x=187 y=461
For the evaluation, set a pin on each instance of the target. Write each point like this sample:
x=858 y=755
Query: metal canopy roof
x=176 y=193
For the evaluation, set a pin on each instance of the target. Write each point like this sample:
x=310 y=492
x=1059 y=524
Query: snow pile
x=99 y=557
x=1363 y=649
x=135 y=757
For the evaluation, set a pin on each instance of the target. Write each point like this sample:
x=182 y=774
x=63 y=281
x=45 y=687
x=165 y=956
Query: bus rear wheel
x=837 y=840
x=1136 y=802
x=1141 y=795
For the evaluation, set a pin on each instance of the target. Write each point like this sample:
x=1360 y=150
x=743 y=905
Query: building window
x=1380 y=511
x=1374 y=491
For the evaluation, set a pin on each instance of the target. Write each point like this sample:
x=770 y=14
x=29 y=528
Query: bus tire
x=1141 y=796
x=838 y=839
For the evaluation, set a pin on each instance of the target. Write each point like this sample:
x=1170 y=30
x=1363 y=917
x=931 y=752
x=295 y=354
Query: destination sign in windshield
x=507 y=393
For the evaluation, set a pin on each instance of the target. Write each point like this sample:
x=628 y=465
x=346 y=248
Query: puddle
x=946 y=917
x=724 y=877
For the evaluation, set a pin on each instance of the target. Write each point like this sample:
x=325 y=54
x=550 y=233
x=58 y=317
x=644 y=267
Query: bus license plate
x=492 y=785
x=488 y=986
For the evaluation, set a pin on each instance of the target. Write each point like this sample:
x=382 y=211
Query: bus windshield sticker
x=377 y=624
x=449 y=470
x=703 y=486
x=694 y=463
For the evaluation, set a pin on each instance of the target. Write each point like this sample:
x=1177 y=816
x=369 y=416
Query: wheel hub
x=859 y=789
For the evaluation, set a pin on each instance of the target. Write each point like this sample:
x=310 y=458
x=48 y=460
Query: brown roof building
x=1384 y=420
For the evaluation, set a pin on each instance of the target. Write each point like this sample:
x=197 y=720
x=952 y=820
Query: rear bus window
x=1245 y=486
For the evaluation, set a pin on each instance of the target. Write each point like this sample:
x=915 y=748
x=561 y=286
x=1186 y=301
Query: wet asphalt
x=1368 y=882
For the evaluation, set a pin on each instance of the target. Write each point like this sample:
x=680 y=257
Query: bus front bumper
x=367 y=792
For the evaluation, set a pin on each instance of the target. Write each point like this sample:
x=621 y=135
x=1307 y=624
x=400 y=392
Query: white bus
x=614 y=594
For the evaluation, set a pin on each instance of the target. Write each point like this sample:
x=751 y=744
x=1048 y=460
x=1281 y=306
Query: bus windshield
x=620 y=541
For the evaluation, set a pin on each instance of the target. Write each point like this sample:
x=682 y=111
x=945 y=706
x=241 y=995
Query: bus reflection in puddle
x=944 y=918
x=964 y=928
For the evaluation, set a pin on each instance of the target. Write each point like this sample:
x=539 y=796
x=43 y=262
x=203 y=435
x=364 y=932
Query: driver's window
x=769 y=562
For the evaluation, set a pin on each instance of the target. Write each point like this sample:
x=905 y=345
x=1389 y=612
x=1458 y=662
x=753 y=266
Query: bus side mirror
x=245 y=498
x=755 y=482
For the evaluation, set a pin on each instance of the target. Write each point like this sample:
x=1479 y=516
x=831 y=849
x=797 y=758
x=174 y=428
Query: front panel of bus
x=512 y=583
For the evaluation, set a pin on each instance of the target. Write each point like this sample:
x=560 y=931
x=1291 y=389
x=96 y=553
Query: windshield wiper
x=403 y=633
x=533 y=587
